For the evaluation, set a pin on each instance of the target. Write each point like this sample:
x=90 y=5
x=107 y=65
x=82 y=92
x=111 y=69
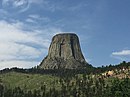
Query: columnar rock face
x=64 y=52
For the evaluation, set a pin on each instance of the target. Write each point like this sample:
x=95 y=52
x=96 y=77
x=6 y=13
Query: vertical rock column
x=64 y=52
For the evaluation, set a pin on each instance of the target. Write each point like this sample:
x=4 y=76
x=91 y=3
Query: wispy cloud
x=35 y=18
x=30 y=20
x=123 y=55
x=18 y=6
x=11 y=40
x=36 y=1
x=18 y=45
x=15 y=5
x=18 y=3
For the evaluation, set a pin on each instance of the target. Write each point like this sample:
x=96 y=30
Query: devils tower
x=64 y=52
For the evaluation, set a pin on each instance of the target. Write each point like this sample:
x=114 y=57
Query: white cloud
x=17 y=44
x=19 y=6
x=122 y=53
x=14 y=33
x=16 y=63
x=15 y=5
x=18 y=3
x=30 y=20
x=35 y=18
x=13 y=42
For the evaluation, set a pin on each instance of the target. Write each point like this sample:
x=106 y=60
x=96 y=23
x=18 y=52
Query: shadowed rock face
x=64 y=52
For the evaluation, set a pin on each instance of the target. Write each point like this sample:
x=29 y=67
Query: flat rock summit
x=64 y=52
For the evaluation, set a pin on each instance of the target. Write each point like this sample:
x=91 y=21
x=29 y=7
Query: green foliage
x=63 y=83
x=81 y=85
x=28 y=81
x=121 y=88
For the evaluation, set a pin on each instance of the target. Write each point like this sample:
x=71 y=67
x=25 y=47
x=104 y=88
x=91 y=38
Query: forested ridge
x=108 y=81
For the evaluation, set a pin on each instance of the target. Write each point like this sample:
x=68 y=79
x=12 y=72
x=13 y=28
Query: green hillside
x=109 y=81
x=27 y=81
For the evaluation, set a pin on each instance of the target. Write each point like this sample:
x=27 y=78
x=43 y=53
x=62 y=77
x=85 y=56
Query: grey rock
x=64 y=52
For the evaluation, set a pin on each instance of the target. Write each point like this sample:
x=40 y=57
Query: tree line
x=73 y=83
x=85 y=86
x=67 y=72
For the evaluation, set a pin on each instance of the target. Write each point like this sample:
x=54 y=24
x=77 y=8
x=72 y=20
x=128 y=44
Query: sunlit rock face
x=64 y=52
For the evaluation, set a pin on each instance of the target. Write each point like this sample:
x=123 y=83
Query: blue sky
x=27 y=26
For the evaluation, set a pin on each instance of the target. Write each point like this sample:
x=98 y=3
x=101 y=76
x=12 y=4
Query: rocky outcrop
x=64 y=52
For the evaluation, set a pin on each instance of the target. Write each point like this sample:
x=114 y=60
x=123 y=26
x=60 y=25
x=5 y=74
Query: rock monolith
x=64 y=52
